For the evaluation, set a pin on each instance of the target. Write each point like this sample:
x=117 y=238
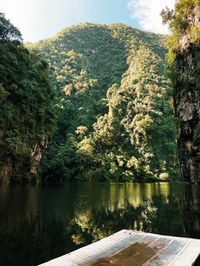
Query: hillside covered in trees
x=115 y=119
x=27 y=107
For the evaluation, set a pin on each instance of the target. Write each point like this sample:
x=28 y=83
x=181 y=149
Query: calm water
x=41 y=223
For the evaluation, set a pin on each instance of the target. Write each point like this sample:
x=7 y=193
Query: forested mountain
x=115 y=106
x=27 y=107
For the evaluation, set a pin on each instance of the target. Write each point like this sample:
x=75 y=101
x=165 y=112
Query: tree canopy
x=27 y=112
x=115 y=120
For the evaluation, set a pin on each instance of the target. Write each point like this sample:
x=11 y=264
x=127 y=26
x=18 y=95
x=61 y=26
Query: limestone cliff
x=22 y=168
x=187 y=98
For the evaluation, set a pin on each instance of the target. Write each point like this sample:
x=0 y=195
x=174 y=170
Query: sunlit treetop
x=184 y=24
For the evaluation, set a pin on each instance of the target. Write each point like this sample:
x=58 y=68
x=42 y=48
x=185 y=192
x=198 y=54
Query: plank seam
x=180 y=252
x=108 y=245
x=157 y=254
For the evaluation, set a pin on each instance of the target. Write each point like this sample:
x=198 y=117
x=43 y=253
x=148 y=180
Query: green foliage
x=61 y=162
x=183 y=26
x=164 y=176
x=136 y=137
x=115 y=119
x=27 y=113
x=8 y=31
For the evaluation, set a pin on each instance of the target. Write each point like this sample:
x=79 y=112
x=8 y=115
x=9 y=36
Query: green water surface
x=39 y=223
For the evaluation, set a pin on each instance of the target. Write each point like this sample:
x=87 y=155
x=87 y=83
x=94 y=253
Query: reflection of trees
x=31 y=242
x=106 y=221
x=177 y=214
x=64 y=221
x=191 y=211
x=38 y=239
x=150 y=216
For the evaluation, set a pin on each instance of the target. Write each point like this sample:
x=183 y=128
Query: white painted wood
x=177 y=252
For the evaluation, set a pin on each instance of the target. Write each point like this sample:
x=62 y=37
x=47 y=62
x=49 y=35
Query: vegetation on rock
x=27 y=112
x=183 y=58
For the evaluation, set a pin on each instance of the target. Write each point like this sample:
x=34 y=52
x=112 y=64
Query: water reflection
x=41 y=223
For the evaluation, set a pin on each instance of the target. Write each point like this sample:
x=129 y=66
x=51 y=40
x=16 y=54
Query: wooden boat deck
x=133 y=248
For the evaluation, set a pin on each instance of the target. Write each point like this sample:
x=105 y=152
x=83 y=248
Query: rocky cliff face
x=22 y=168
x=37 y=156
x=187 y=103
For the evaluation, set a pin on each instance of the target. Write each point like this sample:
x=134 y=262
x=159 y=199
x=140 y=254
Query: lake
x=39 y=223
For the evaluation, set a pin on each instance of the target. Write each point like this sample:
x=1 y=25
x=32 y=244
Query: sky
x=40 y=19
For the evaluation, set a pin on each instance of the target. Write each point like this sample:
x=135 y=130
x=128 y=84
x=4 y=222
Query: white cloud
x=147 y=13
